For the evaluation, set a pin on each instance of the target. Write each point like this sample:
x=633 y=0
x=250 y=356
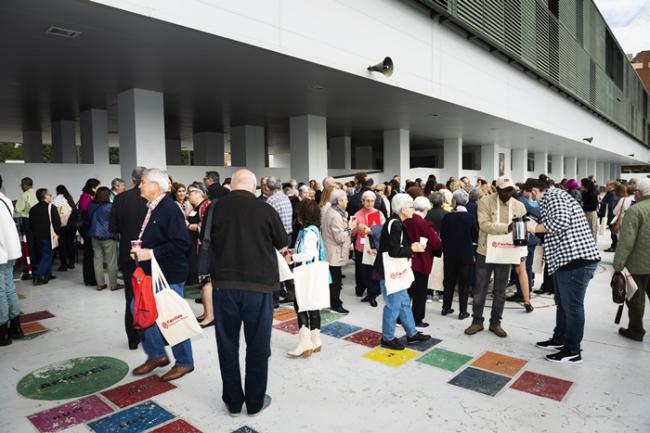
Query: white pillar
x=601 y=178
x=308 y=143
x=397 y=153
x=570 y=167
x=247 y=148
x=519 y=165
x=490 y=161
x=33 y=146
x=541 y=163
x=209 y=149
x=616 y=170
x=363 y=157
x=452 y=158
x=64 y=141
x=142 y=130
x=557 y=168
x=340 y=153
x=93 y=125
x=592 y=168
x=583 y=169
x=173 y=151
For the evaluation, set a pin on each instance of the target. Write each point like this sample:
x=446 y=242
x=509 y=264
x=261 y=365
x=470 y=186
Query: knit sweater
x=634 y=239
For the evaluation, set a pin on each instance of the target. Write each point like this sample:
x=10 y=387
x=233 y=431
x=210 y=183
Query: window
x=613 y=60
x=113 y=155
x=531 y=161
x=549 y=165
x=471 y=157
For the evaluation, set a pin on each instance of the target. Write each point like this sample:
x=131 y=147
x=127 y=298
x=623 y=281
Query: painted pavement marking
x=480 y=381
x=133 y=420
x=32 y=328
x=69 y=414
x=339 y=329
x=284 y=314
x=245 y=429
x=365 y=337
x=444 y=359
x=393 y=358
x=542 y=385
x=33 y=317
x=420 y=346
x=290 y=326
x=178 y=426
x=498 y=363
x=137 y=391
x=329 y=316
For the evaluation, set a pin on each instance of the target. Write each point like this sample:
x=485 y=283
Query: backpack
x=75 y=220
x=145 y=312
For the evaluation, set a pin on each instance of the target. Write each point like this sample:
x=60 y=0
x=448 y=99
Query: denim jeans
x=44 y=269
x=396 y=305
x=9 y=304
x=154 y=346
x=570 y=290
x=232 y=307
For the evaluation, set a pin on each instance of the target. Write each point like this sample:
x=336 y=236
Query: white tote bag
x=437 y=274
x=312 y=283
x=538 y=260
x=369 y=255
x=398 y=274
x=283 y=268
x=501 y=248
x=175 y=320
x=54 y=238
x=630 y=284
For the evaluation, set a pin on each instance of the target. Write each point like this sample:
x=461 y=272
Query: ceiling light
x=385 y=67
x=588 y=139
x=434 y=114
x=60 y=31
x=631 y=155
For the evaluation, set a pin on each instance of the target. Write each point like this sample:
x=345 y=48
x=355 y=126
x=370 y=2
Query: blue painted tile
x=480 y=381
x=133 y=420
x=245 y=429
x=339 y=329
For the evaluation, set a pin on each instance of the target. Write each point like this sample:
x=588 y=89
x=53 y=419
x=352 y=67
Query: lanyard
x=499 y=211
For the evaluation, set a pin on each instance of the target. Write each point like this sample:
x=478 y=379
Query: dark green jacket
x=633 y=250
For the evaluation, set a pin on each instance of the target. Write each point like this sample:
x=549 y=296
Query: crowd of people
x=411 y=242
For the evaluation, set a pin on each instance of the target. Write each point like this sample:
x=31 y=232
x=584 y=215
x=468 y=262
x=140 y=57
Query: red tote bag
x=145 y=312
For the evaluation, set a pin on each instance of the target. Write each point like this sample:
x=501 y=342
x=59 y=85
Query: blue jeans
x=44 y=269
x=570 y=290
x=232 y=307
x=154 y=346
x=396 y=305
x=9 y=305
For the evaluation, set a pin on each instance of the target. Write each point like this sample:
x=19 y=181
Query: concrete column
x=557 y=168
x=616 y=170
x=64 y=141
x=93 y=125
x=601 y=177
x=592 y=168
x=489 y=161
x=541 y=163
x=33 y=146
x=247 y=148
x=519 y=165
x=452 y=158
x=397 y=153
x=583 y=169
x=340 y=153
x=142 y=130
x=209 y=149
x=570 y=167
x=308 y=143
x=363 y=157
x=173 y=151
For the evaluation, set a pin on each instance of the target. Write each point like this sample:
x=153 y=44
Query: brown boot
x=176 y=372
x=498 y=330
x=474 y=328
x=115 y=287
x=150 y=365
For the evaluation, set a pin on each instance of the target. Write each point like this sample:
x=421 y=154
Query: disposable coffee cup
x=424 y=241
x=137 y=244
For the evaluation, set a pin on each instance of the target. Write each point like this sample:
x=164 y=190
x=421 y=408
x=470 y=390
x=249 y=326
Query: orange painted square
x=284 y=314
x=499 y=363
x=32 y=328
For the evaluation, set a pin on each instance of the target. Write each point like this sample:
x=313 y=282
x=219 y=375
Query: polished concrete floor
x=341 y=390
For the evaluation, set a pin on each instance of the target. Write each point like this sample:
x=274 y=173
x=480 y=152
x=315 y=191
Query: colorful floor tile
x=444 y=359
x=339 y=329
x=329 y=316
x=21 y=296
x=365 y=337
x=35 y=334
x=69 y=414
x=393 y=358
x=178 y=426
x=290 y=326
x=543 y=386
x=137 y=391
x=133 y=420
x=421 y=346
x=32 y=328
x=33 y=317
x=192 y=292
x=284 y=314
x=245 y=429
x=480 y=381
x=498 y=363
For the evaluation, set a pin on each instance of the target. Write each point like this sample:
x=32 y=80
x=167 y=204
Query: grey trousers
x=483 y=273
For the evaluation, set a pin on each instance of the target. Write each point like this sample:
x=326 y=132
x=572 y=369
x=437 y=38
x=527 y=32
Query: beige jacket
x=336 y=237
x=487 y=218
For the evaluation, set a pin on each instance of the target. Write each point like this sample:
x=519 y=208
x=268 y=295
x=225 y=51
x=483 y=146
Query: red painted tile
x=290 y=326
x=137 y=391
x=543 y=386
x=33 y=317
x=178 y=426
x=365 y=337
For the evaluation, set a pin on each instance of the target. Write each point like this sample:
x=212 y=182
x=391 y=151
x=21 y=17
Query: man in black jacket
x=127 y=215
x=354 y=205
x=214 y=188
x=245 y=273
x=41 y=216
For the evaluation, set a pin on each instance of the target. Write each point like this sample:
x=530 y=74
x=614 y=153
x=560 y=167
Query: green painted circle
x=72 y=378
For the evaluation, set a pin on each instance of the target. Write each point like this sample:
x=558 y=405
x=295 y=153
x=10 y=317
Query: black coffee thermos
x=519 y=232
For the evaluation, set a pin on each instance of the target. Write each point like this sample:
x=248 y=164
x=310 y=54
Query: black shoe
x=627 y=334
x=393 y=344
x=446 y=311
x=610 y=250
x=51 y=277
x=71 y=266
x=417 y=338
x=39 y=282
x=359 y=292
x=515 y=298
x=207 y=325
x=549 y=345
x=5 y=338
x=15 y=331
x=62 y=269
x=373 y=303
x=421 y=325
x=463 y=316
x=365 y=299
x=26 y=276
x=529 y=307
x=198 y=300
x=339 y=309
x=565 y=356
x=133 y=346
x=543 y=292
x=267 y=403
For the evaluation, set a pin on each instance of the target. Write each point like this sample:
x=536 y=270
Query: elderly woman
x=396 y=242
x=366 y=217
x=336 y=237
x=418 y=228
x=436 y=213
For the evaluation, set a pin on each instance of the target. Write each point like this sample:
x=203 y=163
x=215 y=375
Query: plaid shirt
x=282 y=205
x=569 y=237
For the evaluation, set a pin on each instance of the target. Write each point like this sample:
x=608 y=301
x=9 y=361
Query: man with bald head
x=245 y=234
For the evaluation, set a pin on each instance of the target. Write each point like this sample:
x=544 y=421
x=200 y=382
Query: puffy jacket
x=336 y=237
x=100 y=215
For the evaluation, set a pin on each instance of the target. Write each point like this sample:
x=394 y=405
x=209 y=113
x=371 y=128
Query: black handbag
x=618 y=284
x=204 y=250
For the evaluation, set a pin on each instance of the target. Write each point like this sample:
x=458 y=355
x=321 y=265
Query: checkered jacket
x=282 y=205
x=568 y=237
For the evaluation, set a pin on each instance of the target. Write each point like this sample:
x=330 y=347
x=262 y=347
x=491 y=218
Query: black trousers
x=455 y=274
x=418 y=294
x=88 y=267
x=132 y=335
x=363 y=273
x=310 y=319
x=336 y=286
x=66 y=247
x=360 y=285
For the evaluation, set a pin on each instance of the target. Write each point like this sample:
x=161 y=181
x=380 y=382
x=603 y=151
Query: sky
x=630 y=22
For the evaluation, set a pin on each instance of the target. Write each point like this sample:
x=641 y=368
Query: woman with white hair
x=336 y=238
x=396 y=242
x=366 y=217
